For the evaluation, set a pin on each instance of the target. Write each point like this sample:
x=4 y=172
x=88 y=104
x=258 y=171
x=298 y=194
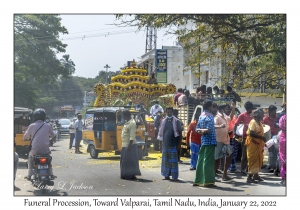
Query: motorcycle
x=41 y=172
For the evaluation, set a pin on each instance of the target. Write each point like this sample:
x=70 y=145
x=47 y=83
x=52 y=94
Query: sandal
x=217 y=179
x=250 y=180
x=218 y=171
x=226 y=179
x=258 y=178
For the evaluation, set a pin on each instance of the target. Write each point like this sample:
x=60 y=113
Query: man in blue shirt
x=205 y=173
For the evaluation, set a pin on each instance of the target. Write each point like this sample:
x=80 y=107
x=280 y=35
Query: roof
x=22 y=110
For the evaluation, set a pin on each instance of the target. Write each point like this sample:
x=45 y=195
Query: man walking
x=222 y=128
x=129 y=162
x=78 y=133
x=205 y=173
x=170 y=135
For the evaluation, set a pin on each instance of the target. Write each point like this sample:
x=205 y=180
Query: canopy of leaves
x=36 y=44
x=251 y=47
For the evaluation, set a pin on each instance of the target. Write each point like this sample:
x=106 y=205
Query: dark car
x=64 y=125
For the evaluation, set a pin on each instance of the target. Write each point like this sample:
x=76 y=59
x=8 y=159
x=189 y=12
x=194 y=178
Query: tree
x=68 y=64
x=36 y=44
x=250 y=46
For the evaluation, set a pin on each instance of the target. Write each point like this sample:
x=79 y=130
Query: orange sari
x=255 y=147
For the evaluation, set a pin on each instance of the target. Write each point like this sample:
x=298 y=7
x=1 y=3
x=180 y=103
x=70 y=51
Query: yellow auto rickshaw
x=103 y=128
x=22 y=119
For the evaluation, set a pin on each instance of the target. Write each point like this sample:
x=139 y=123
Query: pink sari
x=282 y=146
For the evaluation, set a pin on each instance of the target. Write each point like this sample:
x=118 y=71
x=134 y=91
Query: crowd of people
x=217 y=127
x=183 y=97
x=214 y=142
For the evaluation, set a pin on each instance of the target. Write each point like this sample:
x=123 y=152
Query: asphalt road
x=80 y=175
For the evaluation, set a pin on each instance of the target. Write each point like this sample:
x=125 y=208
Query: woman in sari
x=282 y=148
x=255 y=143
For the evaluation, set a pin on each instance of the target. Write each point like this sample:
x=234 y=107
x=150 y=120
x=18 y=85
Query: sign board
x=66 y=108
x=161 y=61
x=89 y=121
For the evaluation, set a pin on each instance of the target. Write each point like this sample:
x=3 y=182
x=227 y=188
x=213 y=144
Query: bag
x=30 y=146
x=240 y=129
x=269 y=143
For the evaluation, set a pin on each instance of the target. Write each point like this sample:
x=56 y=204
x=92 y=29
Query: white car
x=64 y=125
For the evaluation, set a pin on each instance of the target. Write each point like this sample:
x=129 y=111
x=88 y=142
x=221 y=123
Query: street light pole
x=107 y=66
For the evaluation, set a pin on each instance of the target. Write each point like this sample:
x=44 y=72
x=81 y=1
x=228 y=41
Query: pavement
x=108 y=183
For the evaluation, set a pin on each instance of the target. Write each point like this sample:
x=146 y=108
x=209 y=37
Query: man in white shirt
x=78 y=125
x=156 y=108
x=72 y=132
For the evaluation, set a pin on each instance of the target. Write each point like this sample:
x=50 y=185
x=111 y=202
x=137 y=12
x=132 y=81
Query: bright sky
x=93 y=43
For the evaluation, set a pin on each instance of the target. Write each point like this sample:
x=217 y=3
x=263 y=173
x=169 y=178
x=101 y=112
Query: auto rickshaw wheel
x=93 y=152
x=140 y=153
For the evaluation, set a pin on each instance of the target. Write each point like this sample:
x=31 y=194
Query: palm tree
x=68 y=64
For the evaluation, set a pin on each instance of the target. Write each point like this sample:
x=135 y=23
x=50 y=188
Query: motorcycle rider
x=40 y=132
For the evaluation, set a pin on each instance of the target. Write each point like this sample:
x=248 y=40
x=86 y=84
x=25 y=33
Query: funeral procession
x=150 y=105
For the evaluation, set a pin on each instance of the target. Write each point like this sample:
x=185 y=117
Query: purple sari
x=282 y=146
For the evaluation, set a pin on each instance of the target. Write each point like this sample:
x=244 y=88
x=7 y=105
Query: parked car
x=64 y=125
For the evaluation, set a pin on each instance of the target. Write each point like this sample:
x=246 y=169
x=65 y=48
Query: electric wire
x=106 y=34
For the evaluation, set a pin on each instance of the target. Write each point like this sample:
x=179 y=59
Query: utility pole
x=151 y=36
x=107 y=66
x=199 y=50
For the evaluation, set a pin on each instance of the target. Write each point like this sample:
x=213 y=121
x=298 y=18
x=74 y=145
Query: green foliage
x=36 y=67
x=250 y=45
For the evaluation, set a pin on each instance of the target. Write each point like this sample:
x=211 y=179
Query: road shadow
x=147 y=158
x=184 y=163
x=228 y=189
x=142 y=180
x=117 y=158
x=48 y=192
